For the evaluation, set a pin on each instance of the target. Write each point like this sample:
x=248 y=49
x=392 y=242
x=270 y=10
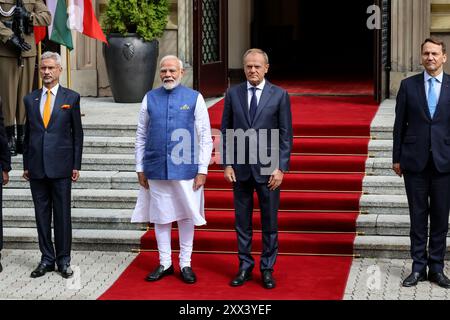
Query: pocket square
x=185 y=107
x=66 y=106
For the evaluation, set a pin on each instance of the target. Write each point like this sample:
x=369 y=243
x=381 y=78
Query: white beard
x=171 y=85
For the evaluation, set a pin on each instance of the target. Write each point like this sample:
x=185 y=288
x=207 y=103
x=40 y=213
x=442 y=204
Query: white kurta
x=171 y=200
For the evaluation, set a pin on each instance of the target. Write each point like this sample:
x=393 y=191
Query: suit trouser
x=428 y=195
x=1 y=216
x=269 y=202
x=53 y=195
x=15 y=83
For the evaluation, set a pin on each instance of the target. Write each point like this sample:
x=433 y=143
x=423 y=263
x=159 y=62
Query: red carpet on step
x=351 y=86
x=317 y=218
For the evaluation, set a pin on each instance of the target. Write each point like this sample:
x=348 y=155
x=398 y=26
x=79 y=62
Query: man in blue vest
x=173 y=151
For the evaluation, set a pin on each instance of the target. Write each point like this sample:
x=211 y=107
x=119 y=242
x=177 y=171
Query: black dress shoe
x=268 y=280
x=188 y=275
x=41 y=270
x=65 y=271
x=414 y=278
x=158 y=273
x=240 y=278
x=440 y=279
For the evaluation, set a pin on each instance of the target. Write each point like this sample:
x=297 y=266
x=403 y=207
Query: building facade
x=303 y=39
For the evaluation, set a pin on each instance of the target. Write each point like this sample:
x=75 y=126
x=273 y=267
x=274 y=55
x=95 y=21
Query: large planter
x=131 y=65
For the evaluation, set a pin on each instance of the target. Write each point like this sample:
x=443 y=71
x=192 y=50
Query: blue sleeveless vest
x=170 y=148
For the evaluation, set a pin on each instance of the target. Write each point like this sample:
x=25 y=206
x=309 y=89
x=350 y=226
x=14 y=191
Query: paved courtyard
x=370 y=279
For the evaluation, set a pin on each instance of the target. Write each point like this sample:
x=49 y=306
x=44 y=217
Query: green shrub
x=147 y=18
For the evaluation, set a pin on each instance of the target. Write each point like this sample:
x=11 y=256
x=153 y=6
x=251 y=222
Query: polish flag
x=82 y=19
x=39 y=33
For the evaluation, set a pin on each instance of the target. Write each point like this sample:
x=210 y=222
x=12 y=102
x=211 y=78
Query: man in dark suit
x=52 y=160
x=5 y=167
x=257 y=142
x=421 y=153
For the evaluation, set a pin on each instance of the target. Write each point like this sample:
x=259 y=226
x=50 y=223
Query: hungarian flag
x=58 y=30
x=82 y=19
x=39 y=33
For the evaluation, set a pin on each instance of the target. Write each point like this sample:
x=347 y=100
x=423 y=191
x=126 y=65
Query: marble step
x=82 y=239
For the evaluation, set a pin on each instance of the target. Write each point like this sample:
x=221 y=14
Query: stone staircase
x=104 y=197
x=385 y=219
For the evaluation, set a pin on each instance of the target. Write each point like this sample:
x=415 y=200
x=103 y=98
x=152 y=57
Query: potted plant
x=132 y=28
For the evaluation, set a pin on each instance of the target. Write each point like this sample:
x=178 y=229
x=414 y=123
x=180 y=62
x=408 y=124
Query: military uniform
x=16 y=81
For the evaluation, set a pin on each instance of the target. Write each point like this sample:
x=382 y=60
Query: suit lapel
x=443 y=96
x=422 y=96
x=265 y=97
x=37 y=106
x=243 y=97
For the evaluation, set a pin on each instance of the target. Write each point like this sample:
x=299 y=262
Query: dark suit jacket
x=56 y=151
x=415 y=133
x=5 y=155
x=274 y=112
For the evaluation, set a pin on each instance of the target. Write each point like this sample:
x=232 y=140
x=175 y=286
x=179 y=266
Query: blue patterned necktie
x=253 y=104
x=432 y=99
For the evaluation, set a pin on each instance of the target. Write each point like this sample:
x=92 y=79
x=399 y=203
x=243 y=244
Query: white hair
x=171 y=57
x=52 y=55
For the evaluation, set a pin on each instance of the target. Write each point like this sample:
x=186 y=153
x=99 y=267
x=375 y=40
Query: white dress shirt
x=437 y=84
x=53 y=91
x=259 y=91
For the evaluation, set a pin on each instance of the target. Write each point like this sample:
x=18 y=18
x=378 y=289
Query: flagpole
x=69 y=79
x=39 y=63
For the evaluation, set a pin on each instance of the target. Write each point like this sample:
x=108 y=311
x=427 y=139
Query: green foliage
x=147 y=18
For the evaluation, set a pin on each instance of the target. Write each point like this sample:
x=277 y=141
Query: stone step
x=379 y=185
x=109 y=130
x=382 y=124
x=384 y=204
x=95 y=162
x=384 y=225
x=81 y=198
x=88 y=180
x=103 y=219
x=386 y=247
x=109 y=145
x=82 y=239
x=380 y=148
x=379 y=166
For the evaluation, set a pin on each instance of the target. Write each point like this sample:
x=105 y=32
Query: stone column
x=411 y=20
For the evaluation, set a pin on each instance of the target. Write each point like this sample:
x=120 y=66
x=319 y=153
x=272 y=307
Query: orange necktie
x=46 y=113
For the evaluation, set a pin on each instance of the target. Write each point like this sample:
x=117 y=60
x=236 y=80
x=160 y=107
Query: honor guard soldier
x=17 y=61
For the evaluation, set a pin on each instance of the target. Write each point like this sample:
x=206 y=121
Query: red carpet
x=340 y=86
x=298 y=278
x=317 y=218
